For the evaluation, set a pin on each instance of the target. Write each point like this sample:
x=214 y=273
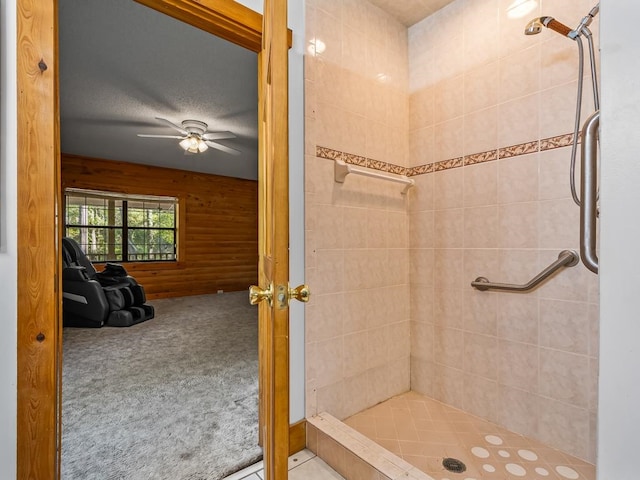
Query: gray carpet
x=172 y=398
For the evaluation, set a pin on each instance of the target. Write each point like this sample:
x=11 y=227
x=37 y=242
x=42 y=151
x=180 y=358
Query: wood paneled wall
x=218 y=224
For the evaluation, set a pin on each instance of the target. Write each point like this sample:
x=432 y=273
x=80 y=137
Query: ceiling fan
x=194 y=137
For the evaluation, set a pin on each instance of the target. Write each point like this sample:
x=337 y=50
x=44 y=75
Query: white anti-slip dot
x=488 y=468
x=528 y=455
x=543 y=472
x=567 y=472
x=493 y=440
x=516 y=470
x=504 y=453
x=480 y=452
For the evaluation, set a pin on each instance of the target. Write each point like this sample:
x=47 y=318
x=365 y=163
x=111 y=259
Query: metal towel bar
x=566 y=258
x=342 y=169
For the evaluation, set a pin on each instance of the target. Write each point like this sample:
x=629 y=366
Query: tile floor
x=303 y=465
x=424 y=431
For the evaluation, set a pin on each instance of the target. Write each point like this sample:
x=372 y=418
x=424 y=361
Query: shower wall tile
x=447 y=101
x=518 y=318
x=518 y=179
x=560 y=224
x=449 y=344
x=519 y=74
x=481 y=131
x=448 y=228
x=557 y=114
x=421 y=229
x=448 y=189
x=594 y=330
x=559 y=65
x=480 y=87
x=480 y=184
x=422 y=268
x=358 y=234
x=518 y=120
x=421 y=304
x=448 y=385
x=564 y=427
x=481 y=355
x=565 y=377
x=480 y=227
x=564 y=326
x=480 y=313
x=594 y=372
x=449 y=139
x=518 y=225
x=518 y=366
x=448 y=269
x=422 y=340
x=421 y=108
x=447 y=308
x=480 y=397
x=421 y=198
x=518 y=410
x=532 y=355
x=392 y=306
x=326 y=319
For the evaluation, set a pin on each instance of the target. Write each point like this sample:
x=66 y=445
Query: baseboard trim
x=297 y=436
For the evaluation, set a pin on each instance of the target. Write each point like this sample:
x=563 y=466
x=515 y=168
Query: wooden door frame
x=39 y=302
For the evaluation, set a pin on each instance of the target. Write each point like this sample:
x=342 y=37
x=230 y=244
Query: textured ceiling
x=122 y=64
x=410 y=11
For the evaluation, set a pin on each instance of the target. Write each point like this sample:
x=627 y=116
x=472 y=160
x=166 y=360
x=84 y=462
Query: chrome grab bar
x=566 y=258
x=589 y=192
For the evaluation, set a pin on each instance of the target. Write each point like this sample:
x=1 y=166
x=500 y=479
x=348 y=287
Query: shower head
x=535 y=26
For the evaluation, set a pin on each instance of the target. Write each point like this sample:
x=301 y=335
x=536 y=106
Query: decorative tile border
x=556 y=142
x=520 y=149
x=481 y=157
x=354 y=159
x=550 y=143
x=448 y=164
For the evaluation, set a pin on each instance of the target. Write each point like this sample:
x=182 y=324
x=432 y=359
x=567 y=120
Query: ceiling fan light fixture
x=194 y=137
x=194 y=144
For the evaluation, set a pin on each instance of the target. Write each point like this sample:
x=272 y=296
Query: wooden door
x=273 y=293
x=39 y=294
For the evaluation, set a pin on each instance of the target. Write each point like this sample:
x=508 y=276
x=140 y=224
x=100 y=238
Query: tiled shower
x=480 y=116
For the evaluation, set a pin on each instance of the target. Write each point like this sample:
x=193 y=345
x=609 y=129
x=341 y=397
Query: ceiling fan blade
x=173 y=125
x=224 y=148
x=144 y=135
x=217 y=135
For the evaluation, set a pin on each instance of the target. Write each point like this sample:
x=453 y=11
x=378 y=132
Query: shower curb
x=350 y=453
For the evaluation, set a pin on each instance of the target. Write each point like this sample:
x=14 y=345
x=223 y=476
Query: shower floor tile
x=424 y=431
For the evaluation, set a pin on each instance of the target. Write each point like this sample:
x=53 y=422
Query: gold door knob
x=300 y=293
x=257 y=294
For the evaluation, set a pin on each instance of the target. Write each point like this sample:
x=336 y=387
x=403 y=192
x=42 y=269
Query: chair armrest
x=75 y=273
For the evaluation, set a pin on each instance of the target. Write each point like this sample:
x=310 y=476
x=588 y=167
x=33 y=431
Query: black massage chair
x=94 y=299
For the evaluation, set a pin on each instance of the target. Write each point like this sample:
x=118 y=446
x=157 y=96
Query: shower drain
x=454 y=465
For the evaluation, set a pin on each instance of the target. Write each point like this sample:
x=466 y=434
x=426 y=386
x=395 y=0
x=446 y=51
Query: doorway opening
x=177 y=395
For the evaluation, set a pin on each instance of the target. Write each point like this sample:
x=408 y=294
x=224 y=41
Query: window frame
x=126 y=197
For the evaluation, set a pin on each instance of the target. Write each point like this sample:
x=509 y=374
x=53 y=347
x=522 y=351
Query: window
x=124 y=228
